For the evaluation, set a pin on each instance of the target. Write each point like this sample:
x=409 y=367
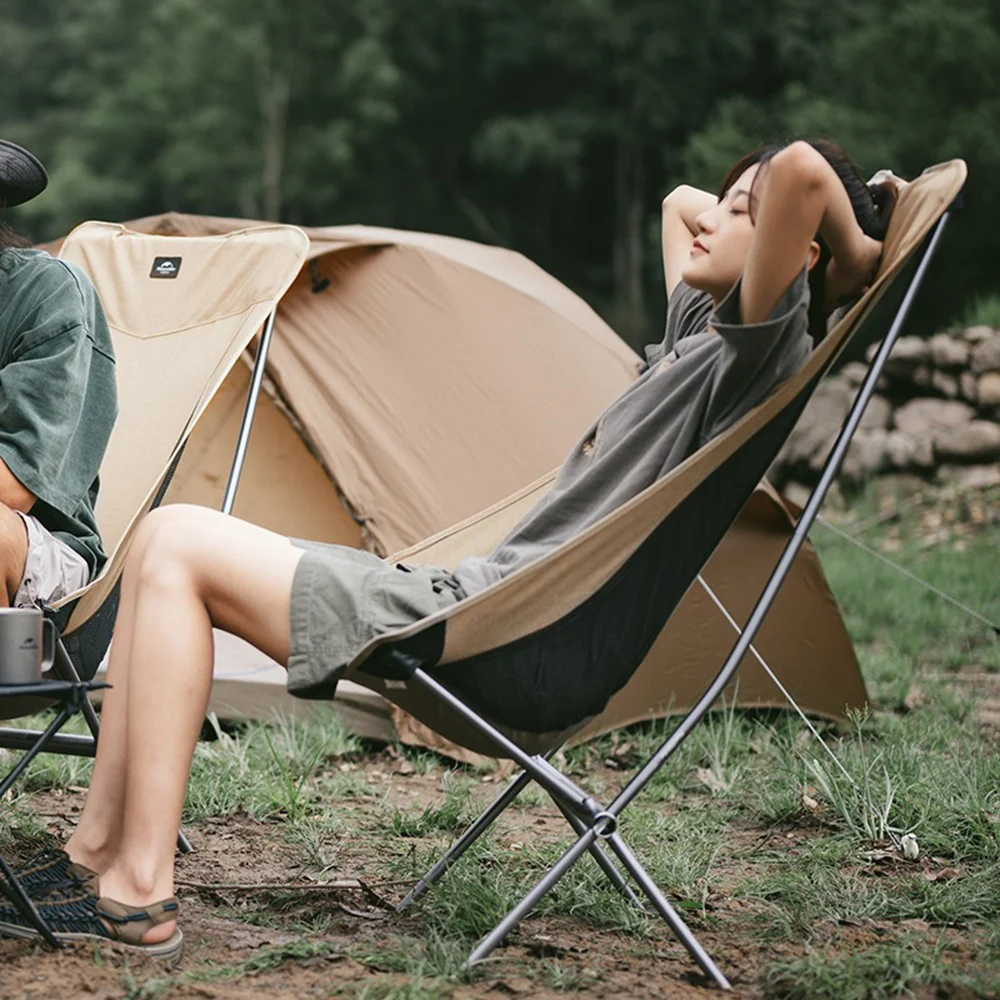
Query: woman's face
x=721 y=247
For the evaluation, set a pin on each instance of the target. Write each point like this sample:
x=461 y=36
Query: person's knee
x=13 y=548
x=156 y=519
x=162 y=524
x=167 y=553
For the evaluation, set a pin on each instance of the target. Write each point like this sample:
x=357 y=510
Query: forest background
x=554 y=127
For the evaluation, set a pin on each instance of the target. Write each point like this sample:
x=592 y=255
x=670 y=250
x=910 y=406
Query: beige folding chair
x=181 y=311
x=575 y=626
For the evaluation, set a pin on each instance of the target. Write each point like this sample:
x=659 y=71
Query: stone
x=988 y=389
x=947 y=352
x=977 y=334
x=812 y=436
x=945 y=384
x=973 y=477
x=921 y=415
x=976 y=441
x=907 y=353
x=878 y=414
x=985 y=356
x=867 y=455
x=968 y=384
x=853 y=373
x=904 y=451
x=921 y=376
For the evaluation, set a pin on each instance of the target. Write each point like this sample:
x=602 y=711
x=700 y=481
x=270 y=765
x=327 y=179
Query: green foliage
x=554 y=127
x=983 y=310
x=267 y=771
x=885 y=971
x=452 y=816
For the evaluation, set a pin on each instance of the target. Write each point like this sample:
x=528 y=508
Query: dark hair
x=872 y=204
x=10 y=238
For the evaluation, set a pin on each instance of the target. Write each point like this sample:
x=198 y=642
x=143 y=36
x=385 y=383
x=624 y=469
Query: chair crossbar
x=592 y=823
x=600 y=857
x=67 y=744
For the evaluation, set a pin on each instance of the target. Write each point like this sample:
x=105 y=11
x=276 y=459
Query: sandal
x=50 y=866
x=75 y=913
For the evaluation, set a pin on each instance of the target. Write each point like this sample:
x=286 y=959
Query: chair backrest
x=181 y=311
x=591 y=609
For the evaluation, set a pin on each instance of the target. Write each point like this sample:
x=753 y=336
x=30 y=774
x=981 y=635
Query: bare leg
x=95 y=839
x=193 y=571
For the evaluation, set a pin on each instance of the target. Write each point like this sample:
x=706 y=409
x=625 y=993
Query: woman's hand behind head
x=847 y=279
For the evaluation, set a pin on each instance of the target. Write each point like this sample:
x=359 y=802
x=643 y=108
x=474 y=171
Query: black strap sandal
x=50 y=866
x=75 y=913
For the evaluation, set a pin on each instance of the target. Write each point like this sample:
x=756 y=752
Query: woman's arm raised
x=680 y=209
x=799 y=194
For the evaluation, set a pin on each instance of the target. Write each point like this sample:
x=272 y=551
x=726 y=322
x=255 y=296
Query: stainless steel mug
x=27 y=645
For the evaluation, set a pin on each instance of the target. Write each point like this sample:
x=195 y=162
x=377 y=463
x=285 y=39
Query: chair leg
x=598 y=854
x=665 y=910
x=551 y=877
x=466 y=840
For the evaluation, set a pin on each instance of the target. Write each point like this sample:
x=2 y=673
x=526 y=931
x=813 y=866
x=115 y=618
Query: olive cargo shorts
x=342 y=598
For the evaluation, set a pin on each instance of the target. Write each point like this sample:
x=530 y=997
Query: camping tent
x=415 y=380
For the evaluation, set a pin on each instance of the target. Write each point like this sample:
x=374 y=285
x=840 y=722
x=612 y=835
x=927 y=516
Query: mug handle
x=49 y=636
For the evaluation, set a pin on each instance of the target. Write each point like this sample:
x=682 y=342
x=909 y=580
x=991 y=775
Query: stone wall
x=936 y=413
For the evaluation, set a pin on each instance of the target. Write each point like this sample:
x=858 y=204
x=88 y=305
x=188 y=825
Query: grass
x=885 y=971
x=757 y=836
x=984 y=310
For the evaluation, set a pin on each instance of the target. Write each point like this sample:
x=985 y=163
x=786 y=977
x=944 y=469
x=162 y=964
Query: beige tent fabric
x=542 y=592
x=175 y=341
x=283 y=487
x=422 y=351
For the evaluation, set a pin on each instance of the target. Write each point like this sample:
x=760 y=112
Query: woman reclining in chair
x=751 y=277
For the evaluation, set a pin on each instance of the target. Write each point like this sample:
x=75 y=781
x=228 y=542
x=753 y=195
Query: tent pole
x=239 y=456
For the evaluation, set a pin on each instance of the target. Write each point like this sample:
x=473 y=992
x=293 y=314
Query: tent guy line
x=781 y=687
x=903 y=571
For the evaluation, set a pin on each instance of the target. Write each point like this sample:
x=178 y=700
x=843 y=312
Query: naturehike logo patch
x=166 y=267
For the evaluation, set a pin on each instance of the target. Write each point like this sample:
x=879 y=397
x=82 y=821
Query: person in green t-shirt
x=58 y=403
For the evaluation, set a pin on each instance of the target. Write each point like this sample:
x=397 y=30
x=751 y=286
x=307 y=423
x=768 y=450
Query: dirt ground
x=238 y=850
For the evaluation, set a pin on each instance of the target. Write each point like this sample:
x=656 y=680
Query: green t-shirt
x=58 y=400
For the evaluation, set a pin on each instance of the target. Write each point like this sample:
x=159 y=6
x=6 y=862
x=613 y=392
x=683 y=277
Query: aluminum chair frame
x=595 y=824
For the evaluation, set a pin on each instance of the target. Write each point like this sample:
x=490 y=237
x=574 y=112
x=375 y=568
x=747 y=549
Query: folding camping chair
x=181 y=310
x=589 y=612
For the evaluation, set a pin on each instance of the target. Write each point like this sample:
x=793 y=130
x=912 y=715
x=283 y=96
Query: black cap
x=22 y=175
